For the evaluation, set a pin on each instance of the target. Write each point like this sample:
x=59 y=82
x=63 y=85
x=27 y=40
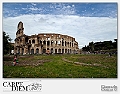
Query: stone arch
x=55 y=50
x=41 y=42
x=68 y=51
x=33 y=41
x=51 y=50
x=44 y=42
x=65 y=50
x=62 y=50
x=59 y=50
x=65 y=43
x=18 y=51
x=37 y=51
x=32 y=51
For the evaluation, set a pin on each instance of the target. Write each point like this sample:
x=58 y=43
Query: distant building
x=44 y=43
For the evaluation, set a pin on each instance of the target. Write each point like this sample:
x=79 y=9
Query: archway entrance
x=32 y=51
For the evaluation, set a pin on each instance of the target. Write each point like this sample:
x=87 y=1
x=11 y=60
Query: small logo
x=34 y=87
x=21 y=86
x=108 y=88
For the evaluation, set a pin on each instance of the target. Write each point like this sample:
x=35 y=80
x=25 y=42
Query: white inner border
x=64 y=86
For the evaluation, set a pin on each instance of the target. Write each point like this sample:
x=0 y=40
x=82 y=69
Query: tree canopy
x=6 y=43
x=97 y=46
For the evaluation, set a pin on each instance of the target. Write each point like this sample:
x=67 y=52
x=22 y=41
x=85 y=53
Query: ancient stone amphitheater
x=44 y=43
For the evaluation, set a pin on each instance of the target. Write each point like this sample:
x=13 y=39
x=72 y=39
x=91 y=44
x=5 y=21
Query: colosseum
x=44 y=43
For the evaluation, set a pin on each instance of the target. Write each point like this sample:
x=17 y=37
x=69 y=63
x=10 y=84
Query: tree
x=6 y=43
x=91 y=45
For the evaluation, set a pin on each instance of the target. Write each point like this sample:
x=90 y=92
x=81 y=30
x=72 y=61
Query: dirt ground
x=22 y=61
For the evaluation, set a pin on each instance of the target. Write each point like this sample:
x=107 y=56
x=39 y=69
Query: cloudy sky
x=86 y=22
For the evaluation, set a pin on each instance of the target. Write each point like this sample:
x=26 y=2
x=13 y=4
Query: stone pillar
x=17 y=50
x=73 y=44
x=64 y=49
x=64 y=46
x=36 y=41
x=24 y=51
x=20 y=50
x=50 y=45
x=34 y=50
x=42 y=41
x=50 y=41
x=40 y=52
x=53 y=50
x=46 y=45
x=57 y=51
x=61 y=44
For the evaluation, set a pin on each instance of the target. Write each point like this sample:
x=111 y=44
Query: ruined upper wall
x=20 y=29
x=20 y=25
x=55 y=36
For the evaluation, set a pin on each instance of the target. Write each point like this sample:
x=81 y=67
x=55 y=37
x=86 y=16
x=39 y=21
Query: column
x=20 y=50
x=17 y=50
x=57 y=50
x=73 y=43
x=50 y=41
x=34 y=50
x=46 y=45
x=50 y=45
x=42 y=41
x=54 y=44
x=64 y=46
x=61 y=50
x=61 y=42
x=36 y=41
x=53 y=50
x=40 y=52
x=24 y=51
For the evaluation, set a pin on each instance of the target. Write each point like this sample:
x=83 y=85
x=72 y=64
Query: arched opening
x=48 y=43
x=52 y=42
x=68 y=51
x=18 y=52
x=32 y=51
x=44 y=50
x=70 y=44
x=44 y=42
x=59 y=50
x=30 y=41
x=62 y=42
x=37 y=51
x=40 y=42
x=51 y=50
x=26 y=40
x=55 y=50
x=65 y=50
x=33 y=41
x=29 y=49
x=65 y=43
x=62 y=50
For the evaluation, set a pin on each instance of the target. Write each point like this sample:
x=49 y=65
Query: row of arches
x=62 y=43
x=37 y=51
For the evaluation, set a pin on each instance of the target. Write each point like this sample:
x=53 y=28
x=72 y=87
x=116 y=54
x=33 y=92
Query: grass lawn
x=61 y=66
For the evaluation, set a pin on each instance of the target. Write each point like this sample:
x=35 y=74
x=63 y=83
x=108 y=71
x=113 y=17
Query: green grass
x=56 y=67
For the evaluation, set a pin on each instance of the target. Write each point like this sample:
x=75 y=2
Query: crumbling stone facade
x=44 y=43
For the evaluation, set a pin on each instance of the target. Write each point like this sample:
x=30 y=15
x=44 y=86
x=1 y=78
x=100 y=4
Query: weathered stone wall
x=44 y=43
